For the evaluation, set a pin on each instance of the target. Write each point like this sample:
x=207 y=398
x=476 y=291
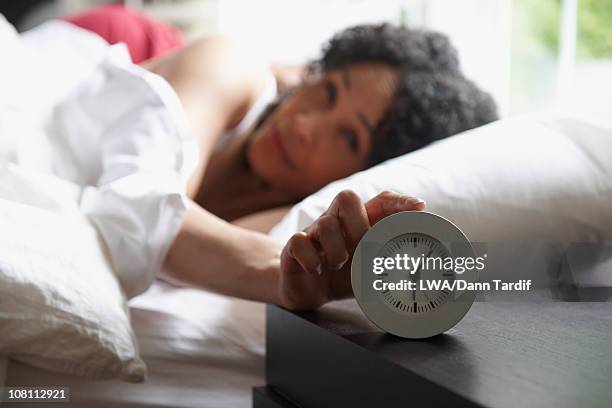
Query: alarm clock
x=409 y=274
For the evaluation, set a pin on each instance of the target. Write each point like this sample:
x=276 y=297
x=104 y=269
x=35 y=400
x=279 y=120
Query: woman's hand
x=316 y=263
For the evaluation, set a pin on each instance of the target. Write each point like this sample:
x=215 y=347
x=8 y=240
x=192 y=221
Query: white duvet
x=78 y=109
x=94 y=157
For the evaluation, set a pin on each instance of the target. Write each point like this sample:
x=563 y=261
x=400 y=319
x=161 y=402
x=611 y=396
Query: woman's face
x=323 y=131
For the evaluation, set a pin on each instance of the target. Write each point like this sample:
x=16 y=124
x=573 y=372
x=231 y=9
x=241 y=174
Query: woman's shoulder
x=216 y=70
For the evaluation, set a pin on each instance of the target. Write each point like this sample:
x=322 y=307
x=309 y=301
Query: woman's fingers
x=331 y=239
x=387 y=203
x=351 y=213
x=302 y=250
x=339 y=229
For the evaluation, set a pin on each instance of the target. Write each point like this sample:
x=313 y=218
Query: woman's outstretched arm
x=311 y=269
x=211 y=253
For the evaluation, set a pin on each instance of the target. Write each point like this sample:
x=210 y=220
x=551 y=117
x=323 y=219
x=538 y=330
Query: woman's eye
x=351 y=138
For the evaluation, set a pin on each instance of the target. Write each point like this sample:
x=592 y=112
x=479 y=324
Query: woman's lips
x=281 y=148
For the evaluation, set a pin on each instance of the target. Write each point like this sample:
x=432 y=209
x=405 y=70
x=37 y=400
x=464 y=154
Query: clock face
x=402 y=278
x=421 y=299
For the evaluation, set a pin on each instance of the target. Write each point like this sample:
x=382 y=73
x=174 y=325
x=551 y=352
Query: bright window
x=532 y=55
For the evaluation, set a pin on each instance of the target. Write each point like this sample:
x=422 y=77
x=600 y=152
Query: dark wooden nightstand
x=501 y=355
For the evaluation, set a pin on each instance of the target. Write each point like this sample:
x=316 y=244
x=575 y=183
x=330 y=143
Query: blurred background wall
x=532 y=55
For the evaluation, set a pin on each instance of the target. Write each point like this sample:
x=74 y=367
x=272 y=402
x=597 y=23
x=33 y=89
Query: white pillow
x=61 y=307
x=512 y=185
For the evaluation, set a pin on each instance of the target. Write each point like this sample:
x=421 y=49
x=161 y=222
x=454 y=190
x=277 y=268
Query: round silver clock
x=410 y=272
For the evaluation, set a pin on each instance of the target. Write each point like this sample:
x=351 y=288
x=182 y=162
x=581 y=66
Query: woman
x=377 y=92
x=328 y=128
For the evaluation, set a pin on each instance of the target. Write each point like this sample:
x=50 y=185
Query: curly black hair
x=433 y=99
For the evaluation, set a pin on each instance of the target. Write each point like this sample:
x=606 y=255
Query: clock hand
x=417 y=274
x=418 y=270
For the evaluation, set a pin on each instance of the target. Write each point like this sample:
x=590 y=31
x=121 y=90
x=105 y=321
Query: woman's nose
x=304 y=129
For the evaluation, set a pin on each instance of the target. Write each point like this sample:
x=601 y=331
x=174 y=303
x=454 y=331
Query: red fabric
x=144 y=36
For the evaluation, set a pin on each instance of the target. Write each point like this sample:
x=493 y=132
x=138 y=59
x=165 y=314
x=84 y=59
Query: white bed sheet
x=202 y=350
